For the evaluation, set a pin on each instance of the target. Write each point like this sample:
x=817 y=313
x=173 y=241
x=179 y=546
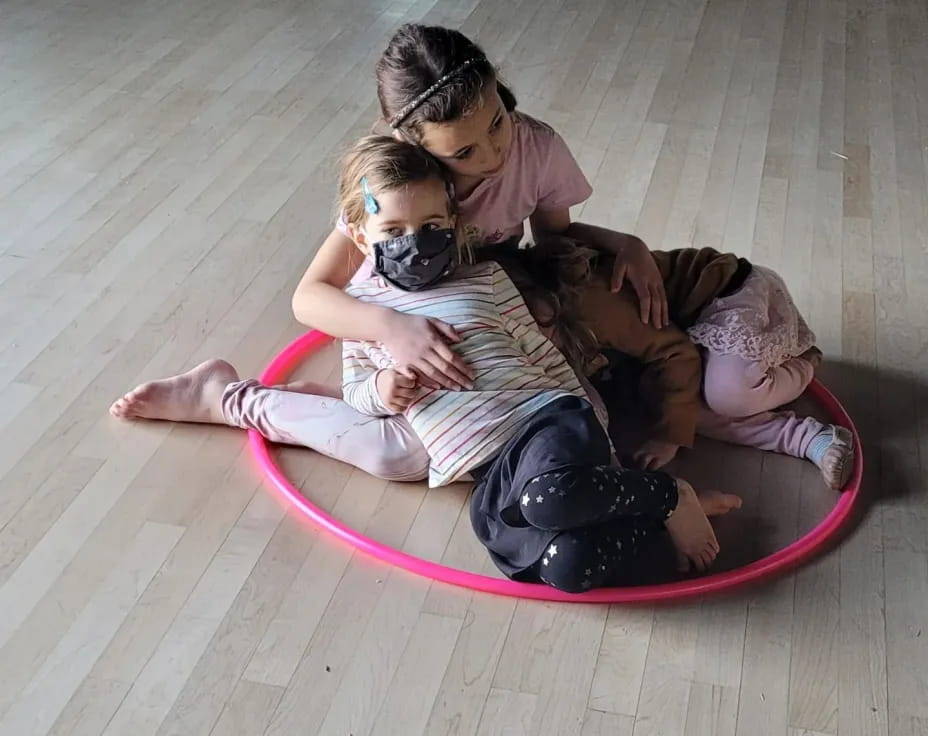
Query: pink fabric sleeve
x=342 y=225
x=562 y=183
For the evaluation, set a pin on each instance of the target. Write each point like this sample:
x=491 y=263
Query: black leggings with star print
x=551 y=506
x=603 y=514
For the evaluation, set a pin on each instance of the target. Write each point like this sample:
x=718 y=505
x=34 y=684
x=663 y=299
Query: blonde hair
x=386 y=164
x=389 y=164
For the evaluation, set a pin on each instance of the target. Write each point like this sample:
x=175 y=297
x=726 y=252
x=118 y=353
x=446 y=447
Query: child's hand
x=635 y=262
x=397 y=389
x=422 y=344
x=655 y=454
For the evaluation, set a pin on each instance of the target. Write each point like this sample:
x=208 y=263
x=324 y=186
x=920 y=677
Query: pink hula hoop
x=788 y=557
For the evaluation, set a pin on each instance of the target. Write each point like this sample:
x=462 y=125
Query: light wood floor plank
x=70 y=662
x=248 y=710
x=161 y=680
x=407 y=703
x=620 y=667
x=598 y=723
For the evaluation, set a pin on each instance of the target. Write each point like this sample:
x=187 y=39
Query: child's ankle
x=819 y=445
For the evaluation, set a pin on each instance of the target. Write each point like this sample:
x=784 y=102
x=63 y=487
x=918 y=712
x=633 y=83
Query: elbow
x=299 y=304
x=296 y=302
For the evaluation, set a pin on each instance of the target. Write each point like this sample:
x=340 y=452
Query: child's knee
x=756 y=388
x=541 y=510
x=566 y=581
x=552 y=500
x=399 y=464
x=567 y=574
x=737 y=396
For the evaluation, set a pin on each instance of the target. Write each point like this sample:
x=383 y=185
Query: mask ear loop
x=370 y=204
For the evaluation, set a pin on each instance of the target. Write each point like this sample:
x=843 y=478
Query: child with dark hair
x=549 y=504
x=438 y=90
x=737 y=350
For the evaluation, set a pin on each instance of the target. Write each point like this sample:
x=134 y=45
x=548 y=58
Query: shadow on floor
x=784 y=497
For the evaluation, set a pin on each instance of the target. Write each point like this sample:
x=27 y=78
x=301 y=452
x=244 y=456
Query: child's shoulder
x=371 y=288
x=535 y=139
x=494 y=276
x=481 y=270
x=532 y=126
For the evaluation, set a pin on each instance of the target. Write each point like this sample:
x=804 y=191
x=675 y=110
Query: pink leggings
x=740 y=396
x=382 y=446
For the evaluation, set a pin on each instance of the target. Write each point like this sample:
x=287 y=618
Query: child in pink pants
x=759 y=354
x=737 y=350
x=742 y=388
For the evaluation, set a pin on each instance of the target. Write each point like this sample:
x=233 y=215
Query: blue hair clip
x=370 y=204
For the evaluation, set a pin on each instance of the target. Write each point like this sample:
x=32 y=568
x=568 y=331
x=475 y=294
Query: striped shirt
x=517 y=369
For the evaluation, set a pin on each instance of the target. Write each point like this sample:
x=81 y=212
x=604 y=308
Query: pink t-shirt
x=540 y=174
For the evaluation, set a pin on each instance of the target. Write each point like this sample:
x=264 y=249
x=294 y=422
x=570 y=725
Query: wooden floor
x=166 y=171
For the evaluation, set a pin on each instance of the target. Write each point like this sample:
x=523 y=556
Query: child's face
x=474 y=146
x=413 y=208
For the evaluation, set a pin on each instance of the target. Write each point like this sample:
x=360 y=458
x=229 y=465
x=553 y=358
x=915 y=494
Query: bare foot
x=311 y=387
x=193 y=396
x=691 y=531
x=716 y=503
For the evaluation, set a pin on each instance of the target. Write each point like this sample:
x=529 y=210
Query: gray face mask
x=417 y=261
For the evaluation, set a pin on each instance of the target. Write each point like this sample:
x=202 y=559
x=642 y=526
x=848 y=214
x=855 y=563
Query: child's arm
x=376 y=392
x=359 y=381
x=633 y=260
x=673 y=366
x=562 y=185
x=319 y=301
x=417 y=342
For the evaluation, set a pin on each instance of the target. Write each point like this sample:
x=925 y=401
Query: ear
x=360 y=239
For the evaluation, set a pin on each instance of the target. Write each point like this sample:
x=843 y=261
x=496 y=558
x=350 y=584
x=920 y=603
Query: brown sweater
x=672 y=377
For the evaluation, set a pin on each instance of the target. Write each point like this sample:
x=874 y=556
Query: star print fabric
x=551 y=505
x=594 y=557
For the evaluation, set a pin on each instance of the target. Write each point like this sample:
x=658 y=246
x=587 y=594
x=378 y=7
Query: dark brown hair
x=416 y=57
x=550 y=276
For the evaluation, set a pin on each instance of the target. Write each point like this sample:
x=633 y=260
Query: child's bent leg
x=780 y=431
x=212 y=393
x=593 y=557
x=582 y=496
x=385 y=447
x=735 y=387
x=829 y=447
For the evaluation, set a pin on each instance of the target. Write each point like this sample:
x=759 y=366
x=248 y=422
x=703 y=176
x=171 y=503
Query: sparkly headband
x=407 y=110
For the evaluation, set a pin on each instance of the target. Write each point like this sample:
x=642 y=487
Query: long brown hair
x=550 y=277
x=418 y=56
